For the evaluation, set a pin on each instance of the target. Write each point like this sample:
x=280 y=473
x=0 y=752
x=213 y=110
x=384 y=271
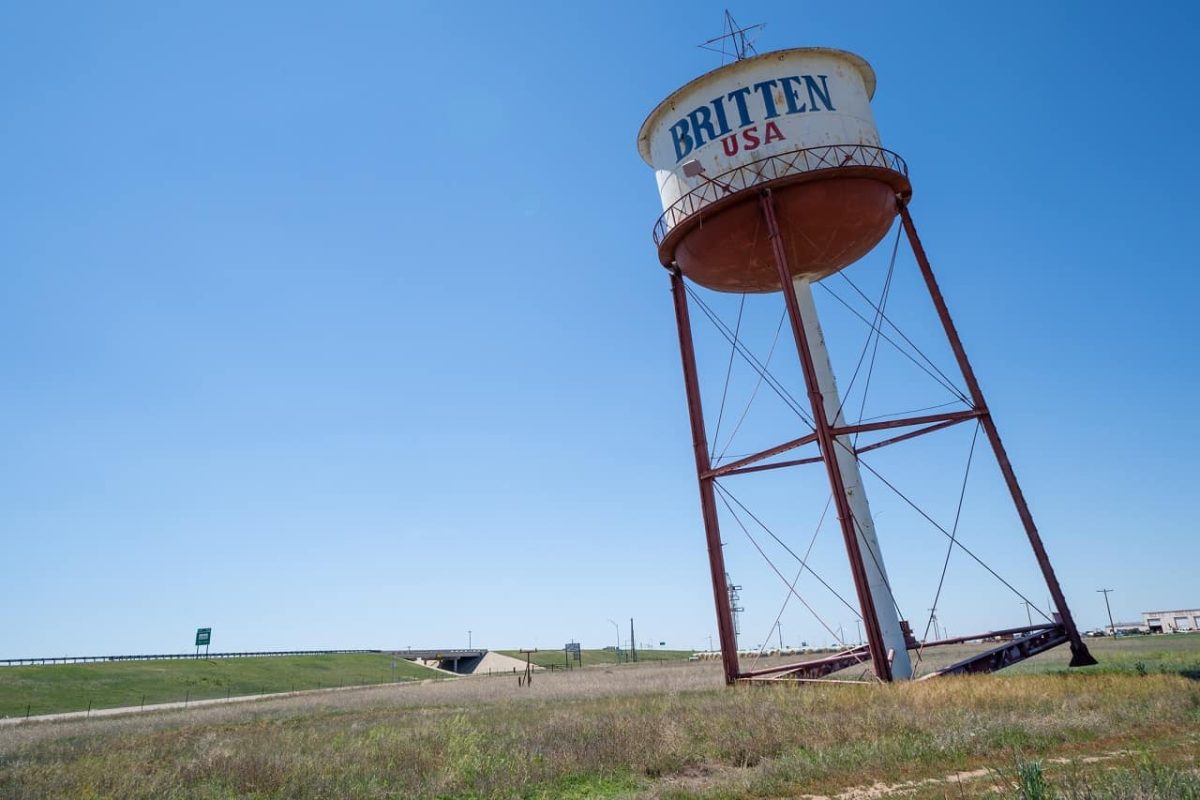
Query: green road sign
x=202 y=636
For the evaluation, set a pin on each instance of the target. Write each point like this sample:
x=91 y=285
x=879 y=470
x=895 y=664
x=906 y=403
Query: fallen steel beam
x=1006 y=654
x=811 y=669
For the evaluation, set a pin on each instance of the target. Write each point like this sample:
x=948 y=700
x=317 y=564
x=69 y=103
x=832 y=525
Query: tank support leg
x=1080 y=656
x=708 y=500
x=890 y=624
x=827 y=443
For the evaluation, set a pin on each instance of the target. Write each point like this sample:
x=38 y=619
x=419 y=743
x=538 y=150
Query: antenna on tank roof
x=734 y=42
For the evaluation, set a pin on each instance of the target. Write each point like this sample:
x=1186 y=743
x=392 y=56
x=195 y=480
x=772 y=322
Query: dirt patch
x=881 y=790
x=694 y=778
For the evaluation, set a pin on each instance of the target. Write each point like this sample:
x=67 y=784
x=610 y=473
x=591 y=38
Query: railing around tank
x=771 y=168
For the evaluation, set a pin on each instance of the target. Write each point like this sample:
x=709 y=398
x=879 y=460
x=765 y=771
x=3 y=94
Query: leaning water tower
x=772 y=177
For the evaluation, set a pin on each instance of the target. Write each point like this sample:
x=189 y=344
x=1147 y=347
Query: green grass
x=70 y=687
x=1142 y=778
x=715 y=744
x=666 y=731
x=1177 y=653
x=51 y=688
x=592 y=658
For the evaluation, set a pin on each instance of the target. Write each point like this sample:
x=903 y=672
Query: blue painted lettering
x=791 y=95
x=682 y=139
x=719 y=106
x=814 y=92
x=701 y=119
x=738 y=96
x=711 y=121
x=764 y=89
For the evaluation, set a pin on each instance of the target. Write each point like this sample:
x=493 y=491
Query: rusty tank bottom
x=826 y=223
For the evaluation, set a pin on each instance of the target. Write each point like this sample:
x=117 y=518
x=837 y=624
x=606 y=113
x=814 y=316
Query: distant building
x=1172 y=621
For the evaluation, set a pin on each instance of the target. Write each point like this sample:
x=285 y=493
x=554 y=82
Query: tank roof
x=860 y=63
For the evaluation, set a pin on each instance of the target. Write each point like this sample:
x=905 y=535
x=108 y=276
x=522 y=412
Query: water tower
x=772 y=177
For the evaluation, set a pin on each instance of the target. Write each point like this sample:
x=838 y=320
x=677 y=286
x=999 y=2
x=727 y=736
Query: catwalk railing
x=773 y=168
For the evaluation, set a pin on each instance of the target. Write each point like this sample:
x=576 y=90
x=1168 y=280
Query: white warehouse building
x=1187 y=619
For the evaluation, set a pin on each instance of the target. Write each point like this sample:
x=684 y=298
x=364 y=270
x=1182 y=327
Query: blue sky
x=342 y=327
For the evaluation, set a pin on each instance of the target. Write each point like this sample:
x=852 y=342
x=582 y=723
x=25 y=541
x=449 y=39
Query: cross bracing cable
x=803 y=562
x=908 y=413
x=872 y=335
x=787 y=598
x=758 y=384
x=729 y=370
x=948 y=382
x=744 y=352
x=948 y=535
x=895 y=327
x=757 y=365
x=771 y=564
x=862 y=539
x=934 y=373
x=962 y=493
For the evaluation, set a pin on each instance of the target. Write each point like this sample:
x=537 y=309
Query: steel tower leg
x=868 y=543
x=708 y=500
x=1080 y=656
x=829 y=449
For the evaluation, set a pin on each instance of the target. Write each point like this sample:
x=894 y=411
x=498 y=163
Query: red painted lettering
x=773 y=133
x=730 y=145
x=751 y=137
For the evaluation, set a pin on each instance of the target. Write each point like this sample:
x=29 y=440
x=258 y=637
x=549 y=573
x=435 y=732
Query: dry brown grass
x=670 y=731
x=466 y=693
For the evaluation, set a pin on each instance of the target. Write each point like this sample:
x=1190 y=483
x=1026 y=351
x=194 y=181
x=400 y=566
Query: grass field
x=1129 y=729
x=592 y=658
x=1174 y=653
x=48 y=689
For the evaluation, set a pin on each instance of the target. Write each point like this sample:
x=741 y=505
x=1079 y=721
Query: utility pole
x=469 y=640
x=1028 y=614
x=734 y=608
x=632 y=641
x=617 y=628
x=779 y=630
x=1112 y=628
